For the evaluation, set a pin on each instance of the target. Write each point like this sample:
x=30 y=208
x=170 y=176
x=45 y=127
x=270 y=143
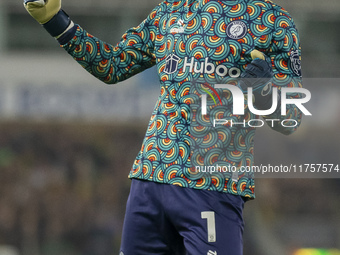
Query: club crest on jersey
x=237 y=29
x=295 y=62
x=171 y=64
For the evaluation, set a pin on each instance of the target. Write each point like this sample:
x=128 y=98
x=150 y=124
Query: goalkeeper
x=172 y=209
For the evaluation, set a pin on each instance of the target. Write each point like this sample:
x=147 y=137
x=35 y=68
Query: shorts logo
x=295 y=62
x=237 y=29
x=171 y=64
x=212 y=252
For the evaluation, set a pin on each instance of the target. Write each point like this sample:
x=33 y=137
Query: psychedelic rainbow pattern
x=191 y=40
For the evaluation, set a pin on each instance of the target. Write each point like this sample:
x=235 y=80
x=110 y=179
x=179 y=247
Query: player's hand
x=42 y=10
x=258 y=74
x=50 y=15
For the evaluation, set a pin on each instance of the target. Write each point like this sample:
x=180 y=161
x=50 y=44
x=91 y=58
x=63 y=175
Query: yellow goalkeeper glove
x=42 y=11
x=49 y=14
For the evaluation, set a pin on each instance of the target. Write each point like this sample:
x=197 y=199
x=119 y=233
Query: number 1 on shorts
x=210 y=216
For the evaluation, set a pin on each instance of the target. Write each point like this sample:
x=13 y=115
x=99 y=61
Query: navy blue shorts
x=165 y=219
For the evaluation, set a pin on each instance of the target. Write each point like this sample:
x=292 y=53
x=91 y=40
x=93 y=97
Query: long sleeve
x=112 y=64
x=285 y=53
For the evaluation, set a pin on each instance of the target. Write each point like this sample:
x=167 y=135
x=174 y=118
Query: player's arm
x=111 y=64
x=285 y=54
x=279 y=68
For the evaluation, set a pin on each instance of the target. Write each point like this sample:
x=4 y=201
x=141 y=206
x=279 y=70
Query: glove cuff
x=58 y=24
x=67 y=35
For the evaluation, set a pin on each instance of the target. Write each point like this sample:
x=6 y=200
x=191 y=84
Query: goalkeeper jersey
x=189 y=40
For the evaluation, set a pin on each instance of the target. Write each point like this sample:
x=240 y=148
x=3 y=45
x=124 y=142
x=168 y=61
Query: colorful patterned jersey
x=190 y=40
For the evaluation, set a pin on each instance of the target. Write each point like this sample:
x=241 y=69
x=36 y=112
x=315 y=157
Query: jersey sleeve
x=285 y=54
x=111 y=64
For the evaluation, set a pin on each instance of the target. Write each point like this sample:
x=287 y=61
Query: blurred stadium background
x=67 y=141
